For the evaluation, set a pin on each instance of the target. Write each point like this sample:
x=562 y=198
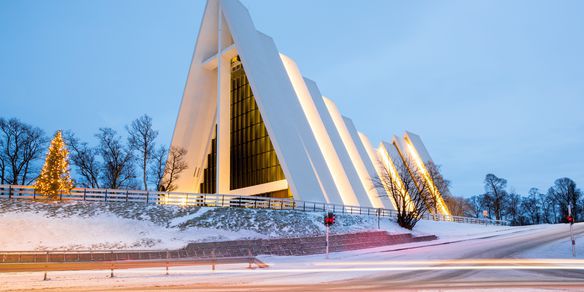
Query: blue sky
x=491 y=86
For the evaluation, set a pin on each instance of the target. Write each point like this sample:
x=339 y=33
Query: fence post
x=126 y=195
x=61 y=196
x=167 y=256
x=33 y=194
x=213 y=260
x=46 y=267
x=84 y=193
x=187 y=200
x=10 y=192
x=250 y=260
x=105 y=198
x=147 y=193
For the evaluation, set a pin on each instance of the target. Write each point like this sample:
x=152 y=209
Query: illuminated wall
x=252 y=125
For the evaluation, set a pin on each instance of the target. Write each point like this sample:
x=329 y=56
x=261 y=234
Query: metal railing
x=19 y=192
x=63 y=256
x=71 y=260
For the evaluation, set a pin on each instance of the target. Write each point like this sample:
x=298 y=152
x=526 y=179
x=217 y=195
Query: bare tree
x=497 y=195
x=175 y=165
x=532 y=208
x=118 y=168
x=141 y=139
x=410 y=197
x=513 y=209
x=476 y=207
x=84 y=158
x=34 y=147
x=565 y=192
x=21 y=145
x=554 y=206
x=458 y=206
x=441 y=188
x=546 y=206
x=157 y=167
x=3 y=162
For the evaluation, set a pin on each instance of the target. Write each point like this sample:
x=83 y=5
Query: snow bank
x=30 y=225
x=27 y=225
x=560 y=249
x=452 y=230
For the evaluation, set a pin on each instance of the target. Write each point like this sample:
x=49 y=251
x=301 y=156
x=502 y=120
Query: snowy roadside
x=82 y=225
x=30 y=225
x=452 y=230
x=560 y=249
x=292 y=270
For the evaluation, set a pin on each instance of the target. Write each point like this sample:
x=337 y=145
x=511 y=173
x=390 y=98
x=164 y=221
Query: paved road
x=492 y=262
x=482 y=250
x=504 y=247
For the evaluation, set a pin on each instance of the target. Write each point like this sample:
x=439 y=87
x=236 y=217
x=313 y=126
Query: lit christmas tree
x=55 y=178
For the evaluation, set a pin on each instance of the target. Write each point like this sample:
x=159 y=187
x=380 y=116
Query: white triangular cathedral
x=252 y=125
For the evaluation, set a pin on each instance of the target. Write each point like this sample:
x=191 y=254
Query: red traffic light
x=570 y=219
x=329 y=219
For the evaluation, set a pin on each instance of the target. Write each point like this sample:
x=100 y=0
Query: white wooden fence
x=19 y=192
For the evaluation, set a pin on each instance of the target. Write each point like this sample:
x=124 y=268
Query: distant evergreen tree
x=55 y=177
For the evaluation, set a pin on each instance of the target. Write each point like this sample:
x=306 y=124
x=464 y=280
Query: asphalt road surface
x=458 y=277
x=493 y=262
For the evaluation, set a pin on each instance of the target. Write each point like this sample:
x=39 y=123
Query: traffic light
x=329 y=219
x=570 y=219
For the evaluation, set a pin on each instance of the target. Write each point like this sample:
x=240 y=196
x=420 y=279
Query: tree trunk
x=145 y=168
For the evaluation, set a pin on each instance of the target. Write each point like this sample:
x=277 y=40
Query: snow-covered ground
x=27 y=225
x=558 y=249
x=30 y=225
x=452 y=230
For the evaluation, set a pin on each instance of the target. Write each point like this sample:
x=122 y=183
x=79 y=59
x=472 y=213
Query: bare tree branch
x=118 y=168
x=157 y=168
x=175 y=165
x=402 y=187
x=84 y=158
x=21 y=145
x=496 y=194
x=141 y=139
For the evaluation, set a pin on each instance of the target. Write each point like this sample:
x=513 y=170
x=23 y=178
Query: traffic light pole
x=327 y=242
x=329 y=219
x=571 y=230
x=573 y=241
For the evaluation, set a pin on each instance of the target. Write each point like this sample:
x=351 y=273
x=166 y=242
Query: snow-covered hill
x=26 y=225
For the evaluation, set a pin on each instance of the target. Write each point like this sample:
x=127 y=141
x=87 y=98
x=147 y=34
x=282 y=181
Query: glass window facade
x=208 y=186
x=253 y=158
